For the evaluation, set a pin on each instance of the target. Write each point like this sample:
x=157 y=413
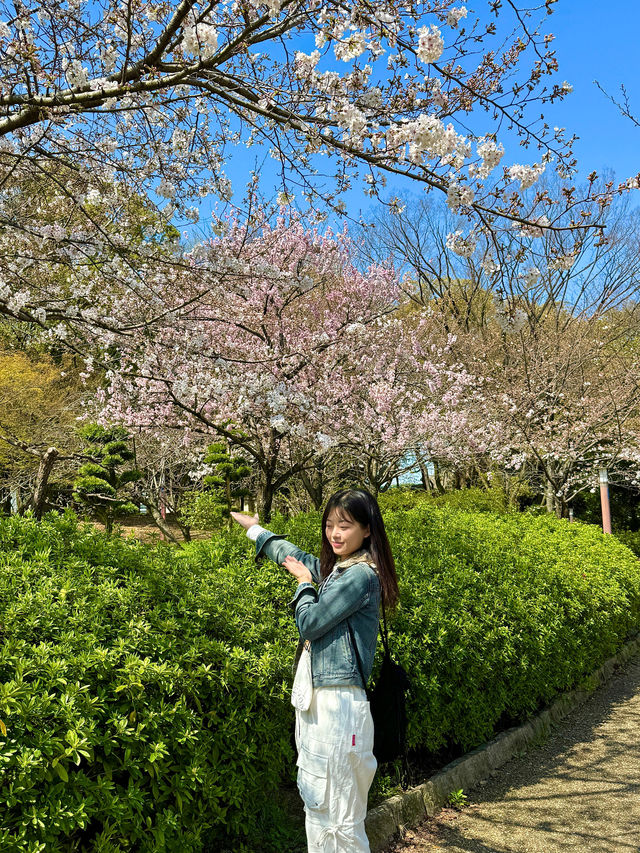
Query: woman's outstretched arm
x=276 y=547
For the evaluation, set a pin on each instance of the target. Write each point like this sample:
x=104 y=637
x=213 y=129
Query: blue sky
x=599 y=41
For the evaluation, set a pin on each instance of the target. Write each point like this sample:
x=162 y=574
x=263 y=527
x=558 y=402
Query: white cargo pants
x=336 y=767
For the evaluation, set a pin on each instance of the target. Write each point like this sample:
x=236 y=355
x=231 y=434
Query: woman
x=336 y=609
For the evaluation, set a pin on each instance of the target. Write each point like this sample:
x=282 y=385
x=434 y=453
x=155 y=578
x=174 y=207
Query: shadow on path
x=578 y=792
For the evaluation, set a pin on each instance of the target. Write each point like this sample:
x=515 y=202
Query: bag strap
x=385 y=643
x=355 y=648
x=383 y=633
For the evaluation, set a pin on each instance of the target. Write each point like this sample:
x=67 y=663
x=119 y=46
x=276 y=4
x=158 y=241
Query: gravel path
x=579 y=792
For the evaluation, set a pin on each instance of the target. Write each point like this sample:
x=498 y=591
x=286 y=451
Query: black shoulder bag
x=387 y=699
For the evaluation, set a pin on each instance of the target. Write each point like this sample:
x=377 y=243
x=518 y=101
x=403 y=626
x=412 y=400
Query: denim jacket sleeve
x=347 y=593
x=276 y=548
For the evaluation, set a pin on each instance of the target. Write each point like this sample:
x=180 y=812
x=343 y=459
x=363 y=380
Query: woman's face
x=345 y=535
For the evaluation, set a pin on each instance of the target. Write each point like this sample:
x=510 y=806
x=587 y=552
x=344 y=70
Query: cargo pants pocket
x=313 y=779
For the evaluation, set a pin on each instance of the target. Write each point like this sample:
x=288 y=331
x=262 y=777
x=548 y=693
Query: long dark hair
x=361 y=506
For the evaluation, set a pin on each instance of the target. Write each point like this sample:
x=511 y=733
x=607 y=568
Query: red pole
x=604 y=501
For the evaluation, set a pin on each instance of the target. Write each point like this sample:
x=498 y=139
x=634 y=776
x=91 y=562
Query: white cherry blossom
x=527 y=175
x=454 y=16
x=463 y=246
x=430 y=44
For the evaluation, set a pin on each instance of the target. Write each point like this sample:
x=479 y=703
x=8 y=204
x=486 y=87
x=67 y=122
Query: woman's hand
x=297 y=569
x=245 y=521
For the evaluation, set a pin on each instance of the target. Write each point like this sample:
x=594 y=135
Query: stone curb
x=389 y=819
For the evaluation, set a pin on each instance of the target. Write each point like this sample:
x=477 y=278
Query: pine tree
x=102 y=480
x=209 y=508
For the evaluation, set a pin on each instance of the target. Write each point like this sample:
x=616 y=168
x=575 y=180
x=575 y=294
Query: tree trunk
x=550 y=496
x=436 y=478
x=424 y=474
x=314 y=489
x=481 y=476
x=266 y=495
x=47 y=461
x=184 y=528
x=373 y=476
x=161 y=524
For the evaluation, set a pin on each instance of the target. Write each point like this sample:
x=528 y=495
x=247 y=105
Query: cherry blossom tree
x=409 y=397
x=561 y=379
x=101 y=101
x=543 y=325
x=154 y=90
x=104 y=103
x=278 y=335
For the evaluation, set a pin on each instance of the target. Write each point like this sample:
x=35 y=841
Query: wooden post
x=604 y=501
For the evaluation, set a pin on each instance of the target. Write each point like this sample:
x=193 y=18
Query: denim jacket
x=321 y=615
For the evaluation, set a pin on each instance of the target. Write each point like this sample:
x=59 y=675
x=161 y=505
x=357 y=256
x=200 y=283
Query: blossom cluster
x=177 y=85
x=459 y=195
x=429 y=137
x=454 y=16
x=430 y=44
x=463 y=246
x=527 y=175
x=490 y=153
x=200 y=39
x=562 y=262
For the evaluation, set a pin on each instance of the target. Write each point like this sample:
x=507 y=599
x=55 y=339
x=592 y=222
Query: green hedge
x=145 y=691
x=466 y=500
x=498 y=613
x=145 y=704
x=630 y=538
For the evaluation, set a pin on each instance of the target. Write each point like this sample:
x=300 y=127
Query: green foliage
x=200 y=510
x=145 y=700
x=209 y=508
x=457 y=799
x=624 y=508
x=475 y=500
x=630 y=538
x=468 y=500
x=501 y=613
x=145 y=692
x=403 y=498
x=101 y=480
x=498 y=613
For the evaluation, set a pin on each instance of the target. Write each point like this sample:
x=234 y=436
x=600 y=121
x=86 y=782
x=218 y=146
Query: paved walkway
x=577 y=793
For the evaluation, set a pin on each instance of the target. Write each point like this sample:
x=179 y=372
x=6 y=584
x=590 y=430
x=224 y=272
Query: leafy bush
x=145 y=705
x=145 y=691
x=500 y=613
x=630 y=538
x=202 y=510
x=475 y=500
x=403 y=498
x=468 y=500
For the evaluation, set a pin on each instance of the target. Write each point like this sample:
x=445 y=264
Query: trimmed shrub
x=630 y=538
x=501 y=613
x=145 y=705
x=498 y=613
x=466 y=500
